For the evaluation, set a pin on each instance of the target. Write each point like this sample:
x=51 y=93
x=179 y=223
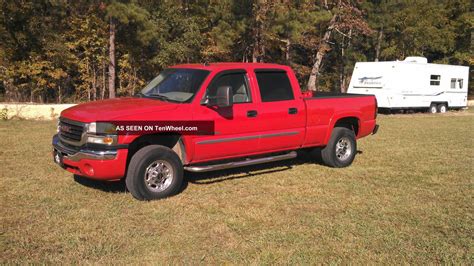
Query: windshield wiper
x=161 y=97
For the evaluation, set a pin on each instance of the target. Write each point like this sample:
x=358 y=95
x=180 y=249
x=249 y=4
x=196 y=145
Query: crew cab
x=258 y=114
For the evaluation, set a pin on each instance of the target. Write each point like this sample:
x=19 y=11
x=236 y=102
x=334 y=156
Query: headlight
x=101 y=133
x=103 y=128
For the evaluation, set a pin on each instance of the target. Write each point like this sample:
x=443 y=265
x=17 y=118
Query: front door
x=236 y=127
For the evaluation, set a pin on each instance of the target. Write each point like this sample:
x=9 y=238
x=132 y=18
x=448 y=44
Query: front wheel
x=341 y=148
x=433 y=109
x=154 y=172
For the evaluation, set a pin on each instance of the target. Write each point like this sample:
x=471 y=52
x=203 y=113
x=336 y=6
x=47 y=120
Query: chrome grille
x=70 y=131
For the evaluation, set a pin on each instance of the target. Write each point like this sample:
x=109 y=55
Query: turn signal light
x=108 y=140
x=101 y=140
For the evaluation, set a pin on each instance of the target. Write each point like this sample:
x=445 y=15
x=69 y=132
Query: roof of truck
x=230 y=65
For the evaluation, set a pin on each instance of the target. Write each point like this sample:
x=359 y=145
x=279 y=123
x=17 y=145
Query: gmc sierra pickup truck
x=258 y=115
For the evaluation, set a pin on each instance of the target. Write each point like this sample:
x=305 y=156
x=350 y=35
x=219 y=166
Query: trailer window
x=453 y=83
x=460 y=81
x=435 y=80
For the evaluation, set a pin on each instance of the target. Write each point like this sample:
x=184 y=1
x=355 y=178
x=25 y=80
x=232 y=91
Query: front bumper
x=95 y=164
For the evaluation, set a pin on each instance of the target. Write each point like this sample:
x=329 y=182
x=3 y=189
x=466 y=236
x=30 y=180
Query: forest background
x=63 y=51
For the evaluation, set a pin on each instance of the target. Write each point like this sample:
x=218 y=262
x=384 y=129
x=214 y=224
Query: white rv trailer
x=412 y=84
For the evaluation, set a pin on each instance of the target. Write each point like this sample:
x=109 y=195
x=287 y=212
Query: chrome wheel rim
x=343 y=149
x=158 y=176
x=442 y=109
x=433 y=109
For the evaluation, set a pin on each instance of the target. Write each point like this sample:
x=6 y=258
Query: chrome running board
x=207 y=168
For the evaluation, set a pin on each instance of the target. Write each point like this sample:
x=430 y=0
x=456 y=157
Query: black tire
x=442 y=108
x=145 y=158
x=329 y=154
x=433 y=109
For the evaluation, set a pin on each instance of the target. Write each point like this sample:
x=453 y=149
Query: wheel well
x=351 y=123
x=171 y=141
x=437 y=103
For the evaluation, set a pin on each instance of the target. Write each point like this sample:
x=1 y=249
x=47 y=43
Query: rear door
x=281 y=115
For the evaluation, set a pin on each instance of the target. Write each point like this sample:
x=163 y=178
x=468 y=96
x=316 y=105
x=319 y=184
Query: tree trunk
x=343 y=78
x=287 y=49
x=341 y=67
x=260 y=10
x=134 y=81
x=94 y=83
x=10 y=92
x=256 y=57
x=379 y=44
x=322 y=50
x=102 y=93
x=59 y=94
x=88 y=87
x=112 y=59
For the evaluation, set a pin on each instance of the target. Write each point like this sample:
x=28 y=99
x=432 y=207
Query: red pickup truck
x=258 y=115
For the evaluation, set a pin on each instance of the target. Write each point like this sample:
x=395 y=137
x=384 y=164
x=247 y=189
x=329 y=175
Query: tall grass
x=408 y=197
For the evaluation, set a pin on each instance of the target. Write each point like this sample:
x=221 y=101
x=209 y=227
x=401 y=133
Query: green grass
x=408 y=197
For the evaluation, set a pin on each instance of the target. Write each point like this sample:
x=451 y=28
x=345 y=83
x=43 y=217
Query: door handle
x=251 y=113
x=292 y=111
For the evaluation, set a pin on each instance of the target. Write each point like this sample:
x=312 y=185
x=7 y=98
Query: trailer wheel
x=154 y=172
x=433 y=108
x=442 y=108
x=341 y=148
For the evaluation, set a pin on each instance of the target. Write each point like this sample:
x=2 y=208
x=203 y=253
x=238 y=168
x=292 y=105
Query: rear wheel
x=433 y=108
x=442 y=108
x=154 y=172
x=341 y=148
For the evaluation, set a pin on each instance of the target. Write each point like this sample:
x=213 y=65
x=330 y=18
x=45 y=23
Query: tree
x=121 y=14
x=87 y=40
x=346 y=19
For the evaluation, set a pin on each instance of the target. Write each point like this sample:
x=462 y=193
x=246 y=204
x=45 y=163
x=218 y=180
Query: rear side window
x=274 y=86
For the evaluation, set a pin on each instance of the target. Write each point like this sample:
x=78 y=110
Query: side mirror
x=224 y=97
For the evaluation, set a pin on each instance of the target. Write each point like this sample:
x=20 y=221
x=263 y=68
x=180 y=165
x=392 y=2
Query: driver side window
x=237 y=81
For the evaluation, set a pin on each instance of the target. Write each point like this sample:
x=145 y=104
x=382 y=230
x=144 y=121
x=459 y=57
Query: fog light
x=88 y=169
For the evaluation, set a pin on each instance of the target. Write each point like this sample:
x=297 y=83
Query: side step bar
x=207 y=168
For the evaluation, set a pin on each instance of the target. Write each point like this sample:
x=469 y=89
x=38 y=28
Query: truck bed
x=324 y=95
x=324 y=109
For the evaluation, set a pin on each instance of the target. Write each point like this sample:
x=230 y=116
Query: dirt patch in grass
x=408 y=197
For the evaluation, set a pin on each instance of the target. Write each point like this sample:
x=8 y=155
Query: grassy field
x=408 y=197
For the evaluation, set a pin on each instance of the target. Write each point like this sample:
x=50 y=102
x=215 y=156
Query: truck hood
x=114 y=109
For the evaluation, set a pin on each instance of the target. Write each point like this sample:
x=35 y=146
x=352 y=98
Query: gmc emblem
x=66 y=129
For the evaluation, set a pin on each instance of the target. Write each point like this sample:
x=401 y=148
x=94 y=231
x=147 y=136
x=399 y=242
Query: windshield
x=175 y=84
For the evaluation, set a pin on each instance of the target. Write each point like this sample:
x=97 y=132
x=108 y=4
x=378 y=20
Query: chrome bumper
x=61 y=151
